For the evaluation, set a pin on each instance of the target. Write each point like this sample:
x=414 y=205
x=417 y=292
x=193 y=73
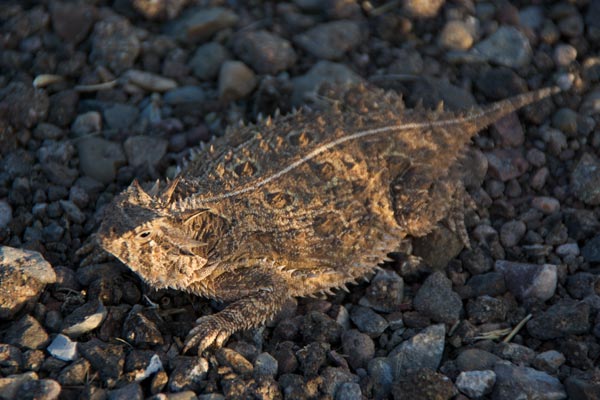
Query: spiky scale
x=326 y=207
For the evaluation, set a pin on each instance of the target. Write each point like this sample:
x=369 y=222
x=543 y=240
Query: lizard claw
x=208 y=331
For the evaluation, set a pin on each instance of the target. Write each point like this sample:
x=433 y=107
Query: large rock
x=23 y=275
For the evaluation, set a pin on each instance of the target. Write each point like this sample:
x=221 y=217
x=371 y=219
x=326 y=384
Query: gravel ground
x=95 y=93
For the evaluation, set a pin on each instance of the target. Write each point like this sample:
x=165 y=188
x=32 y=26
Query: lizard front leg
x=256 y=294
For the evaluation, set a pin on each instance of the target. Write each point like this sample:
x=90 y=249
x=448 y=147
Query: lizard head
x=139 y=231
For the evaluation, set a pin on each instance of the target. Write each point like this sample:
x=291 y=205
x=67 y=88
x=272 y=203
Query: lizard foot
x=209 y=330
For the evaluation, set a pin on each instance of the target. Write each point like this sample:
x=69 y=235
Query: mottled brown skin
x=297 y=205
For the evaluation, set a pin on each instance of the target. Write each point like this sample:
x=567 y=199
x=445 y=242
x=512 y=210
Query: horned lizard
x=298 y=204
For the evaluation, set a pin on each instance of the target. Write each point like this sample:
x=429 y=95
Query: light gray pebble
x=476 y=384
x=424 y=350
x=84 y=319
x=63 y=348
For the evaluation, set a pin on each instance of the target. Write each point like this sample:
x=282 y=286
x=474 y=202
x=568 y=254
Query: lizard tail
x=493 y=112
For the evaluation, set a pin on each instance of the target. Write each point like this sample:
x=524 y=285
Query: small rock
x=140 y=330
x=438 y=247
x=264 y=51
x=491 y=284
x=207 y=60
x=368 y=321
x=515 y=353
x=24 y=106
x=318 y=326
x=547 y=205
x=89 y=122
x=159 y=10
x=185 y=95
x=188 y=375
x=265 y=364
x=114 y=44
x=72 y=211
x=424 y=384
x=529 y=281
x=334 y=378
x=506 y=164
x=549 y=361
x=23 y=275
x=149 y=81
x=381 y=374
x=500 y=82
x=476 y=360
x=585 y=179
x=120 y=116
x=507 y=46
x=437 y=300
x=236 y=80
x=476 y=384
x=424 y=350
x=348 y=391
x=330 y=40
x=385 y=292
x=359 y=347
x=107 y=359
x=485 y=309
x=100 y=158
x=44 y=389
x=27 y=333
x=323 y=71
x=5 y=214
x=72 y=22
x=45 y=130
x=63 y=348
x=568 y=249
x=311 y=357
x=582 y=387
x=456 y=35
x=514 y=382
x=132 y=391
x=591 y=250
x=564 y=55
x=562 y=319
x=84 y=319
x=512 y=232
x=565 y=120
x=144 y=150
x=510 y=130
x=423 y=9
x=198 y=24
x=75 y=374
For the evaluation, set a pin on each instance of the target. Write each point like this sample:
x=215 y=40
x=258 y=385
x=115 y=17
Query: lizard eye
x=144 y=235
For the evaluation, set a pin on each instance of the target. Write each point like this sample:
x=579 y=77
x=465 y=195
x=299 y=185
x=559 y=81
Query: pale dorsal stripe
x=496 y=109
x=337 y=142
